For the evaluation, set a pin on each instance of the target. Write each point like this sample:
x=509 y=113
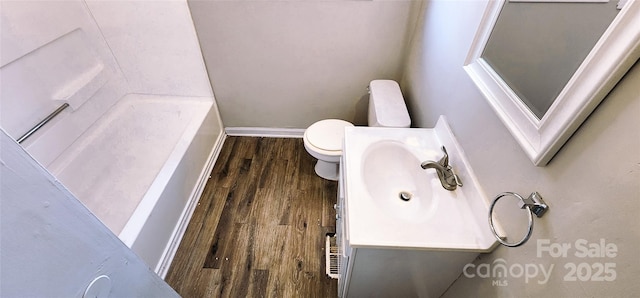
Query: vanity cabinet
x=399 y=232
x=387 y=271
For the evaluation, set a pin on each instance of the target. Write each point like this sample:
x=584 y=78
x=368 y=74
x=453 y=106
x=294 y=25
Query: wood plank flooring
x=259 y=227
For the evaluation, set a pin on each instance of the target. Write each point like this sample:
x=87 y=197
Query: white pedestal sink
x=399 y=231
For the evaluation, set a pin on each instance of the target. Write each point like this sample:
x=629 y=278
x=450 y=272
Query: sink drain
x=405 y=196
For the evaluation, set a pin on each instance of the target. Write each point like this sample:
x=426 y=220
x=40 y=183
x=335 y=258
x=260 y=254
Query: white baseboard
x=265 y=132
x=162 y=267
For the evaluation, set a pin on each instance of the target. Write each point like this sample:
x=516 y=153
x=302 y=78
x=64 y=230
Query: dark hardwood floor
x=259 y=227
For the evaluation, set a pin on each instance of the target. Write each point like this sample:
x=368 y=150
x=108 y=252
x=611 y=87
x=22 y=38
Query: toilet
x=323 y=139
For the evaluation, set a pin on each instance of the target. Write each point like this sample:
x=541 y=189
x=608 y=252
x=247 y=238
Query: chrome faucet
x=447 y=177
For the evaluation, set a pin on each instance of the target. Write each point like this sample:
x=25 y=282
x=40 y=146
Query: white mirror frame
x=614 y=53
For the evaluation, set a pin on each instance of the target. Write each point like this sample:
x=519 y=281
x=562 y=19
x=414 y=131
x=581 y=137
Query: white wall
x=291 y=63
x=90 y=54
x=155 y=44
x=592 y=185
x=60 y=58
x=52 y=246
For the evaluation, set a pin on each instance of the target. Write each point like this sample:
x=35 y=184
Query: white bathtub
x=141 y=168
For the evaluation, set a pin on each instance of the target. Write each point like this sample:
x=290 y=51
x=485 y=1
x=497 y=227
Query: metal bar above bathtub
x=43 y=122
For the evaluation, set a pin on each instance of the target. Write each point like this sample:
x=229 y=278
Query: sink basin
x=396 y=183
x=390 y=201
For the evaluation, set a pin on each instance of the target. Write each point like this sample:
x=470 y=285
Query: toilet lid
x=327 y=134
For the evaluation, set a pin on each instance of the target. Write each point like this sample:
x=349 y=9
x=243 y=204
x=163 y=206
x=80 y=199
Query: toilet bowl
x=323 y=139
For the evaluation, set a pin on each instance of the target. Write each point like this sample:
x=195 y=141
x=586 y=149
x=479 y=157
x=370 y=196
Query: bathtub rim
x=129 y=235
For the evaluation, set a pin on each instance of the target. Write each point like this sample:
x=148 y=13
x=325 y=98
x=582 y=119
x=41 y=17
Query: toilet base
x=327 y=170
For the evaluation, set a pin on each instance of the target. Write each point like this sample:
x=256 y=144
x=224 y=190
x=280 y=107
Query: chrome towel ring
x=534 y=204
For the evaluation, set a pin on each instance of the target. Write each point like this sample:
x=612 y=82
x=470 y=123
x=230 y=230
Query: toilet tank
x=386 y=105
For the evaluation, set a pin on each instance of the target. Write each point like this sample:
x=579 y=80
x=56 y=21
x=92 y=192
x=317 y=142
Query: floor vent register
x=332 y=257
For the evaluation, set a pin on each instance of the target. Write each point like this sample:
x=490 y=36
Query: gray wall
x=287 y=64
x=592 y=185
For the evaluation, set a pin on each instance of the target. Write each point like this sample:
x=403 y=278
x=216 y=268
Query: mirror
x=536 y=48
x=543 y=88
